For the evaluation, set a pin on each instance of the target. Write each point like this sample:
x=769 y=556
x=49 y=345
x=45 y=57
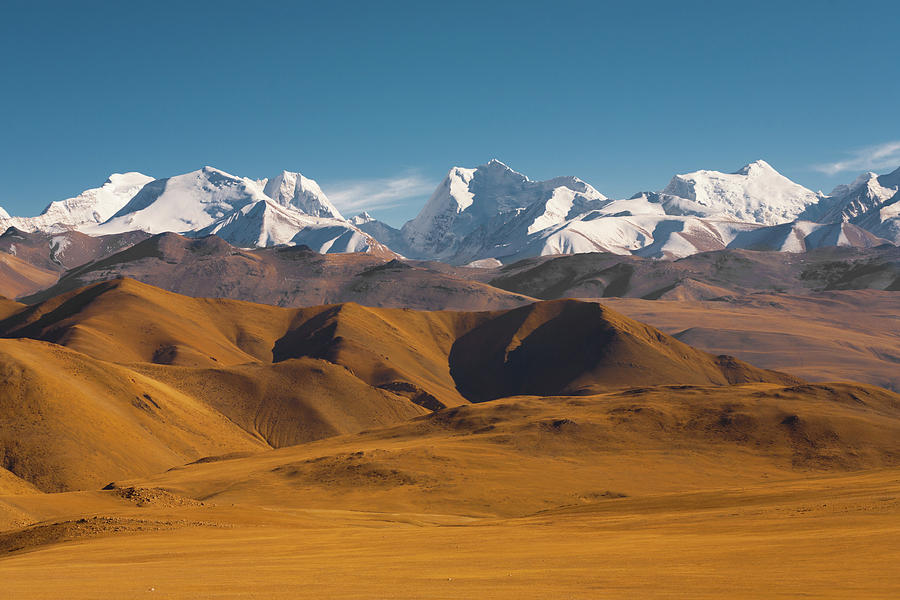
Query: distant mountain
x=285 y=276
x=472 y=204
x=88 y=208
x=883 y=221
x=756 y=193
x=61 y=250
x=493 y=214
x=241 y=211
x=867 y=192
x=293 y=190
x=702 y=276
x=265 y=223
x=183 y=203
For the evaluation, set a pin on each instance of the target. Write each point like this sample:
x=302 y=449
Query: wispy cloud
x=385 y=192
x=882 y=156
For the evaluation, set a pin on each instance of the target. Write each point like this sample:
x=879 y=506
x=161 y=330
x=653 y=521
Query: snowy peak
x=489 y=198
x=497 y=166
x=362 y=218
x=88 y=208
x=891 y=180
x=293 y=190
x=97 y=205
x=866 y=193
x=266 y=223
x=184 y=203
x=757 y=167
x=756 y=193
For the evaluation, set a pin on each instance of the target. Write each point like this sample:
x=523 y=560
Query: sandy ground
x=830 y=537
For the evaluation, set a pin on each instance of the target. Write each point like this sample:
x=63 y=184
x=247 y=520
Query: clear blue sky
x=364 y=95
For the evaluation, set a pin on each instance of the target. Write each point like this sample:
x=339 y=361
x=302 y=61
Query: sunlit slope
x=123 y=379
x=439 y=358
x=19 y=278
x=69 y=421
x=294 y=401
x=520 y=455
x=126 y=321
x=73 y=422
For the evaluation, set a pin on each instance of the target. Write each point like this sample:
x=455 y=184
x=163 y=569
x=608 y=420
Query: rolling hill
x=118 y=364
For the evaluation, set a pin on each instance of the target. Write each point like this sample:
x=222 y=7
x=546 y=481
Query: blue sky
x=377 y=100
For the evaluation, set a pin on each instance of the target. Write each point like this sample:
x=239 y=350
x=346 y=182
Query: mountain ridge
x=492 y=212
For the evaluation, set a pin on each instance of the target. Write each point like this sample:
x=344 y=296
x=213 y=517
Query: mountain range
x=492 y=215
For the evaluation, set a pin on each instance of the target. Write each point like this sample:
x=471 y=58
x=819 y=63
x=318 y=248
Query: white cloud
x=385 y=192
x=882 y=156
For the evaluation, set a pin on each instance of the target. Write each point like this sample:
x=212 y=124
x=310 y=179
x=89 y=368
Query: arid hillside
x=122 y=365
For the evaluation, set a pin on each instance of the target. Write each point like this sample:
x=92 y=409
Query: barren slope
x=65 y=249
x=440 y=358
x=19 y=278
x=285 y=276
x=667 y=492
x=701 y=276
x=848 y=335
x=73 y=422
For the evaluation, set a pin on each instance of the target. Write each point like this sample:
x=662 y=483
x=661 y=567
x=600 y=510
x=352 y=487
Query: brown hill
x=63 y=250
x=439 y=358
x=9 y=307
x=19 y=278
x=68 y=421
x=566 y=347
x=733 y=491
x=483 y=459
x=840 y=335
x=285 y=276
x=702 y=276
x=672 y=472
x=126 y=321
x=129 y=361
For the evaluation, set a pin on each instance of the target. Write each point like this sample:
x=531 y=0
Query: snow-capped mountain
x=238 y=209
x=183 y=203
x=867 y=192
x=756 y=193
x=492 y=213
x=381 y=231
x=293 y=190
x=488 y=197
x=91 y=207
x=267 y=223
x=883 y=220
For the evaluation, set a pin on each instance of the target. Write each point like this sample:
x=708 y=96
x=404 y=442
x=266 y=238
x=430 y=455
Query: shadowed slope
x=434 y=358
x=567 y=346
x=401 y=350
